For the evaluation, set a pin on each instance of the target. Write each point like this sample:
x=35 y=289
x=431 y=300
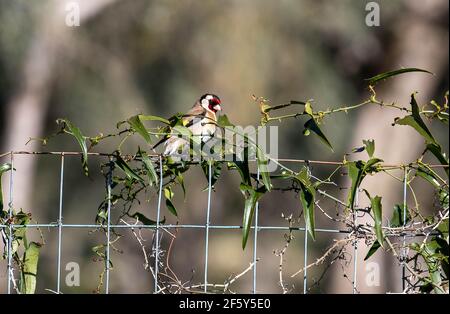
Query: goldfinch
x=201 y=120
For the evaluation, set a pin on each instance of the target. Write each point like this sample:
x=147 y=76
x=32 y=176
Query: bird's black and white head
x=211 y=102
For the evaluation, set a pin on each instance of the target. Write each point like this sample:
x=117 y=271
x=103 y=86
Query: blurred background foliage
x=158 y=57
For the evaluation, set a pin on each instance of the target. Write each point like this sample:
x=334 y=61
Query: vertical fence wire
x=10 y=228
x=255 y=239
x=405 y=185
x=108 y=226
x=208 y=211
x=60 y=217
x=158 y=217
x=355 y=245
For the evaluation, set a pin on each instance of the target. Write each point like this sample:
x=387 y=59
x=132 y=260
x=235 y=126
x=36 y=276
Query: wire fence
x=60 y=226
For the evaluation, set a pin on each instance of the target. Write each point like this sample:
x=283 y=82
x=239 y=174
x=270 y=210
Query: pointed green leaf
x=312 y=125
x=137 y=126
x=223 y=121
x=249 y=209
x=355 y=172
x=370 y=147
x=369 y=166
x=30 y=264
x=146 y=221
x=130 y=173
x=153 y=118
x=168 y=194
x=415 y=121
x=263 y=170
x=436 y=150
x=377 y=211
x=153 y=178
x=307 y=195
x=80 y=138
x=429 y=175
x=375 y=246
x=216 y=172
x=389 y=74
x=398 y=215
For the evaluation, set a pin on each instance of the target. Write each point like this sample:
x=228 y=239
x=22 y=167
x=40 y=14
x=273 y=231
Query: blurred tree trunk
x=27 y=110
x=419 y=41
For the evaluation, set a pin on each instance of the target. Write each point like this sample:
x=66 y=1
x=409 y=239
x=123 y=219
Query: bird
x=201 y=120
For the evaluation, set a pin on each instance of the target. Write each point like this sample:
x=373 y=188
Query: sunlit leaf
x=153 y=118
x=3 y=168
x=389 y=74
x=80 y=138
x=30 y=264
x=137 y=126
x=429 y=175
x=168 y=194
x=370 y=147
x=415 y=121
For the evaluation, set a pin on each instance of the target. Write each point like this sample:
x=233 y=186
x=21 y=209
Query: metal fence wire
x=60 y=226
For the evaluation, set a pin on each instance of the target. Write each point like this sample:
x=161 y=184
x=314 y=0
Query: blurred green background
x=158 y=57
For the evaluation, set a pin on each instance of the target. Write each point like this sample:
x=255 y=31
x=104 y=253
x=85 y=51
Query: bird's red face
x=211 y=102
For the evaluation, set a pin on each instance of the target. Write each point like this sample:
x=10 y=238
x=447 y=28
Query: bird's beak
x=217 y=108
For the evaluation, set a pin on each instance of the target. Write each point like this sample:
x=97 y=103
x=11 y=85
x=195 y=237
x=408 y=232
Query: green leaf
x=146 y=221
x=153 y=178
x=307 y=195
x=81 y=139
x=241 y=164
x=249 y=209
x=153 y=118
x=429 y=175
x=307 y=200
x=370 y=147
x=3 y=168
x=30 y=264
x=377 y=211
x=308 y=109
x=168 y=194
x=370 y=165
x=312 y=125
x=436 y=150
x=130 y=173
x=415 y=121
x=397 y=216
x=375 y=246
x=262 y=166
x=355 y=172
x=443 y=198
x=216 y=172
x=389 y=74
x=223 y=121
x=137 y=126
